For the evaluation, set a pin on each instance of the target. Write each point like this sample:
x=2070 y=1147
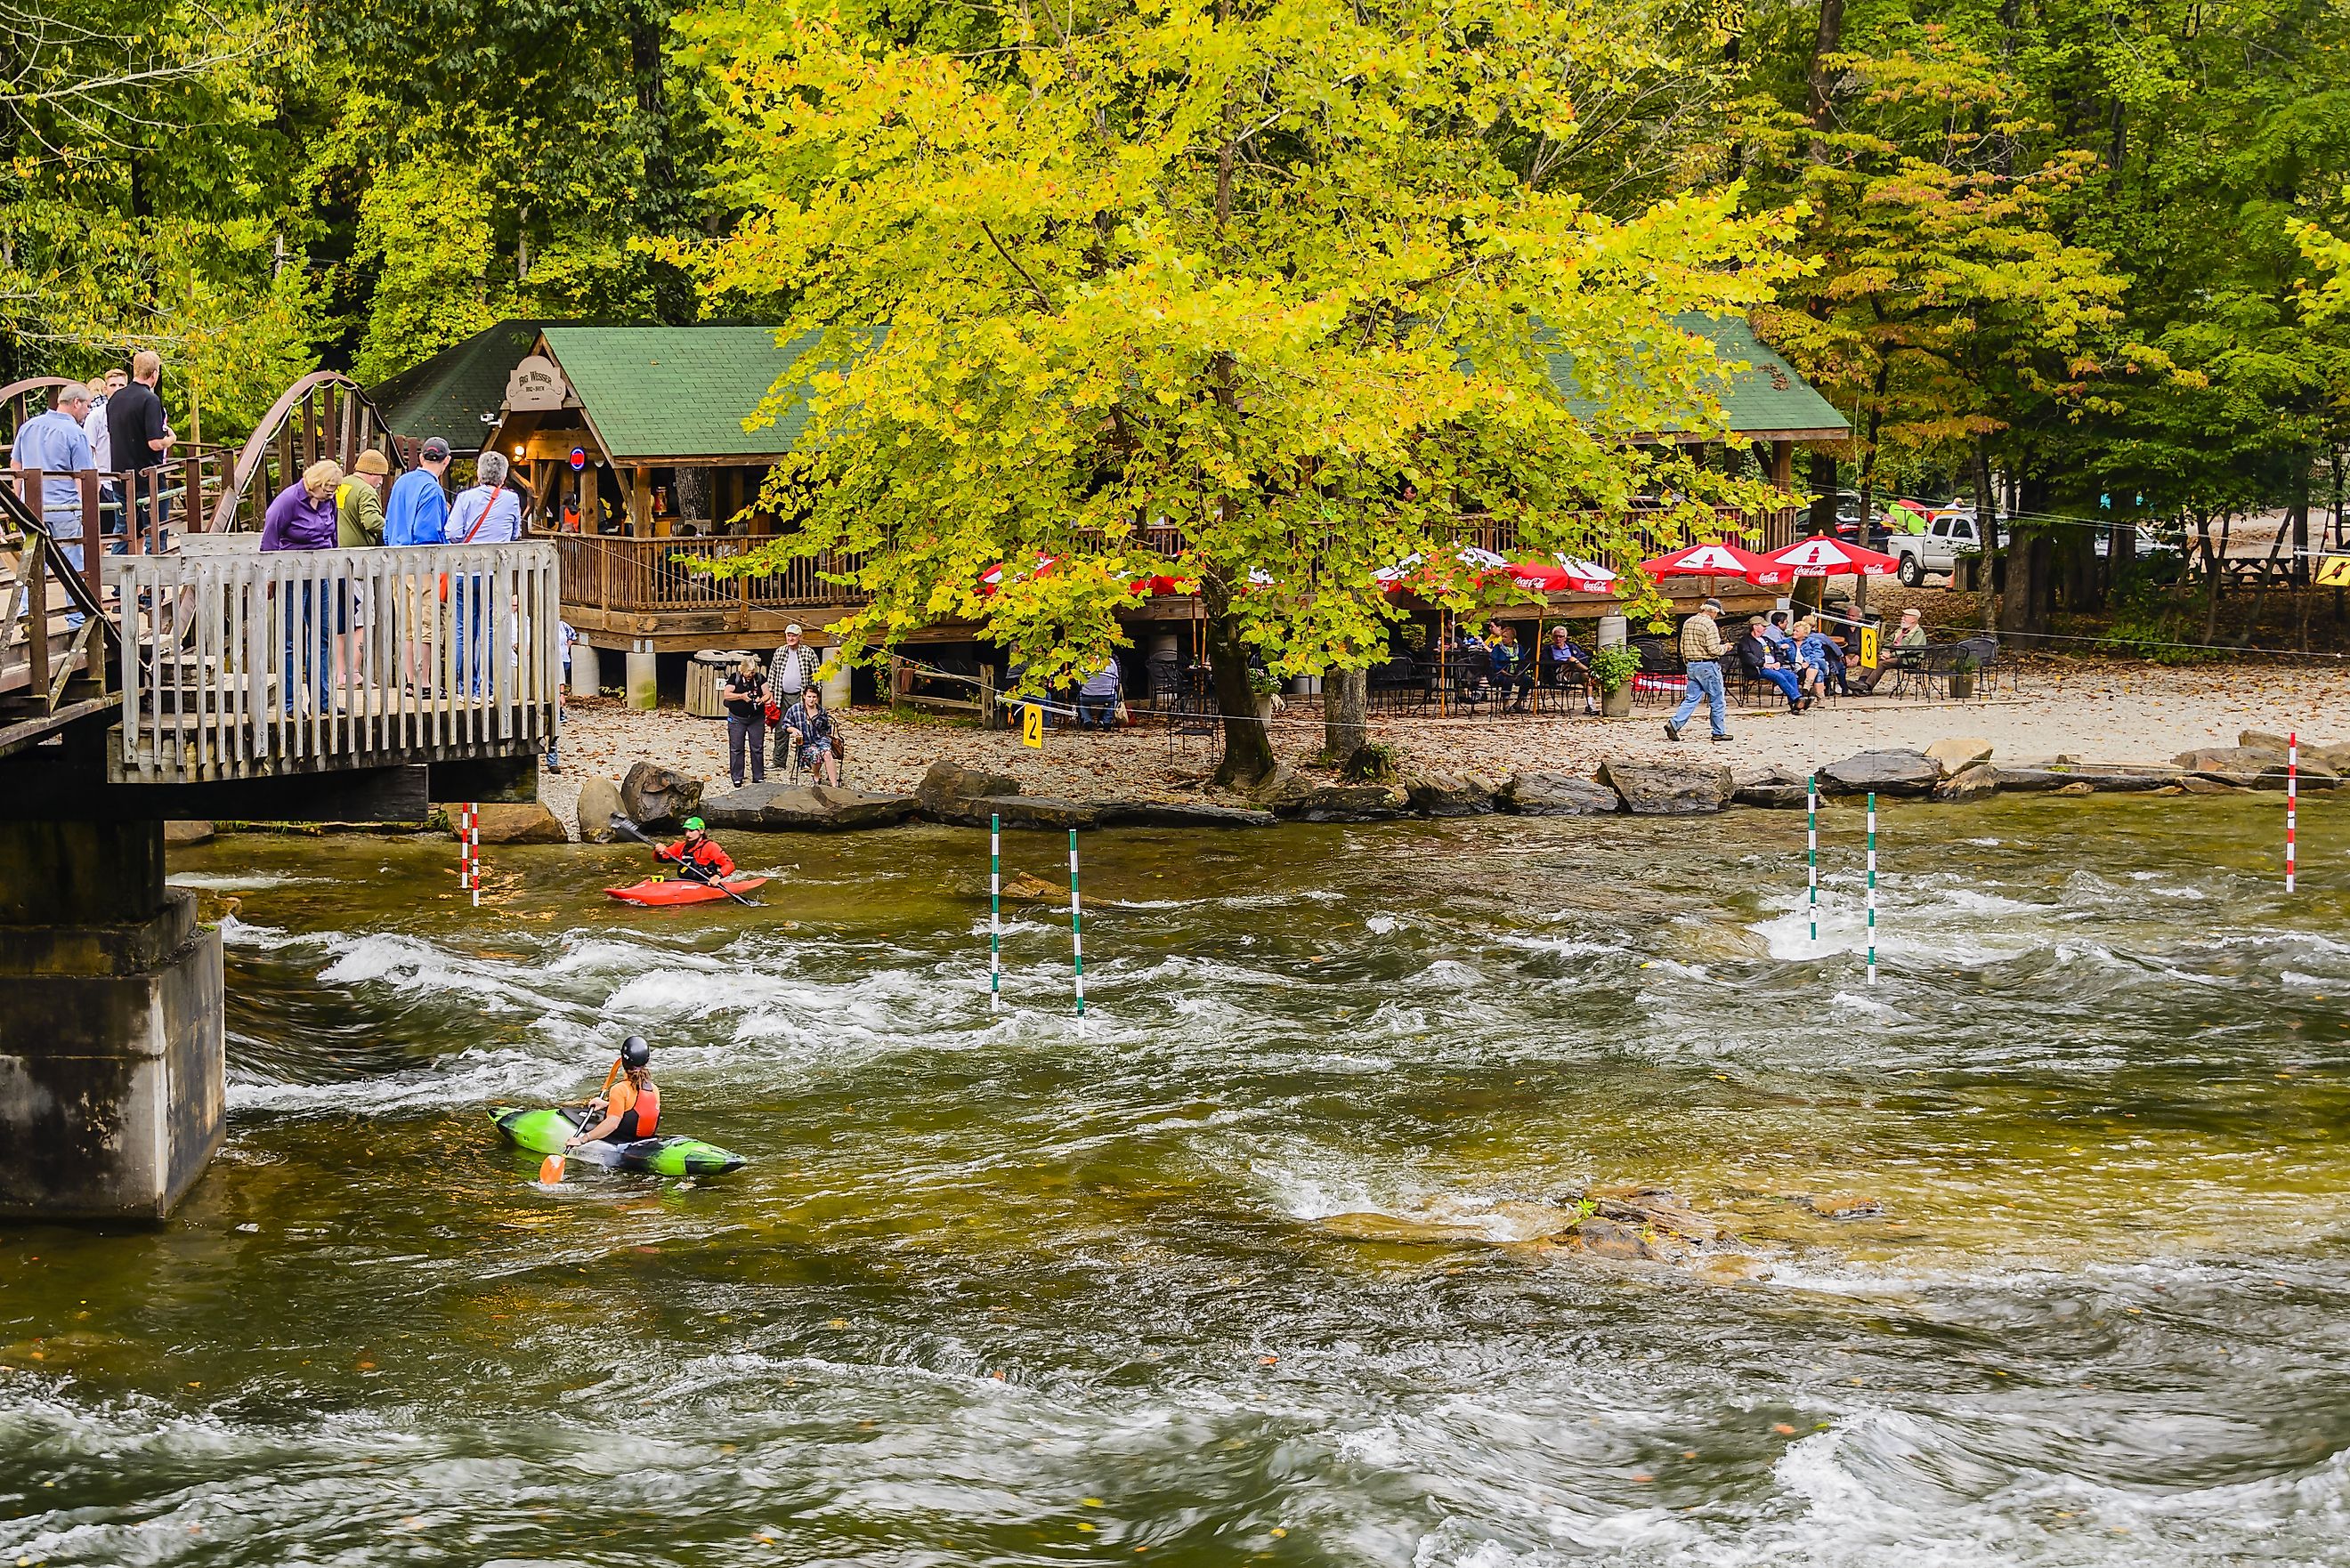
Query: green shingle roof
x=1767 y=401
x=656 y=392
x=447 y=395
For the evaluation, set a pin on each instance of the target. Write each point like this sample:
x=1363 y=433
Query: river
x=1249 y=1269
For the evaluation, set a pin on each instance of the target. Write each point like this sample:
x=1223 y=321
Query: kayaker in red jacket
x=698 y=855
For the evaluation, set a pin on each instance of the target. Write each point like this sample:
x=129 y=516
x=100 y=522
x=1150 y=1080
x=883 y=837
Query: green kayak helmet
x=693 y=825
x=635 y=1053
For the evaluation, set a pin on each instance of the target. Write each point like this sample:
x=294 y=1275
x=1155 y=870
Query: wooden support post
x=640 y=503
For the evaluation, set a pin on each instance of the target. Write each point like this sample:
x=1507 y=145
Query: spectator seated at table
x=1564 y=665
x=1099 y=698
x=1512 y=669
x=1902 y=646
x=1761 y=661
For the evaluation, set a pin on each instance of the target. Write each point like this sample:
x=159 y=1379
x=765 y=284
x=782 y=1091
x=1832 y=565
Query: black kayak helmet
x=635 y=1053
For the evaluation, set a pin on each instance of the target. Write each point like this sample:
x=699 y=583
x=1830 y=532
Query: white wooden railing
x=239 y=664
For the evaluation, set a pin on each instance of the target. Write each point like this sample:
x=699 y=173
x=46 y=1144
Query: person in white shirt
x=101 y=445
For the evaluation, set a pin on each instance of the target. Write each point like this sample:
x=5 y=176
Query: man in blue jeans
x=1701 y=656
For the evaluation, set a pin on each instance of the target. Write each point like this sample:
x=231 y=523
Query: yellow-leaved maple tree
x=1257 y=297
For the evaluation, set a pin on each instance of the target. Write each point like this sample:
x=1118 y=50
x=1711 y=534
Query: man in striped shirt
x=1701 y=655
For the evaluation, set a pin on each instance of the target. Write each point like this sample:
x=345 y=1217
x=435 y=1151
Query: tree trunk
x=1346 y=714
x=1248 y=749
x=1824 y=42
x=1987 y=525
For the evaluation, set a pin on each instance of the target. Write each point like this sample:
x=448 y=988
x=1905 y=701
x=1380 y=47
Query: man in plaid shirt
x=1701 y=655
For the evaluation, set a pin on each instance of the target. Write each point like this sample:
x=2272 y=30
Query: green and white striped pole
x=1811 y=847
x=1872 y=887
x=1076 y=932
x=994 y=913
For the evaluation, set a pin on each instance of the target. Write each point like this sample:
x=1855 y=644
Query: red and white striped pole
x=2292 y=799
x=469 y=850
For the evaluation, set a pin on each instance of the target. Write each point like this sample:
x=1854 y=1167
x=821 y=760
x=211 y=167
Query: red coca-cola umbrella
x=1824 y=555
x=1718 y=560
x=1561 y=575
x=992 y=579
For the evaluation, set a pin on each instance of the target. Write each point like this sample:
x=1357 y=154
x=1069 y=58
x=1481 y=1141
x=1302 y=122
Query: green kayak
x=544 y=1132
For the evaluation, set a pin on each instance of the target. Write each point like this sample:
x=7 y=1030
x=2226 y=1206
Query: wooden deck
x=625 y=592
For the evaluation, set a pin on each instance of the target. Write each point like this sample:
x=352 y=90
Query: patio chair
x=1469 y=673
x=1984 y=652
x=1165 y=673
x=1661 y=677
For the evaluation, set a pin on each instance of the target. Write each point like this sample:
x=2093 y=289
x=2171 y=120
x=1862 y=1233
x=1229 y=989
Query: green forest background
x=259 y=187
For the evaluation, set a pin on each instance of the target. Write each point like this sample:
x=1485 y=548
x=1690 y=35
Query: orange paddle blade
x=550 y=1169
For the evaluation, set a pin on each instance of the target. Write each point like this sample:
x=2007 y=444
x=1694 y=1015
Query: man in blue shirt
x=417 y=510
x=54 y=445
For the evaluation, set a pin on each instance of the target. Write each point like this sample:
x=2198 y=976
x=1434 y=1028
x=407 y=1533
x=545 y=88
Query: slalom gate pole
x=1076 y=932
x=469 y=850
x=1872 y=887
x=994 y=913
x=2292 y=800
x=1811 y=847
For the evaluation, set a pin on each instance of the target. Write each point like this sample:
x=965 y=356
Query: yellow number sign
x=2334 y=571
x=1868 y=648
x=1032 y=726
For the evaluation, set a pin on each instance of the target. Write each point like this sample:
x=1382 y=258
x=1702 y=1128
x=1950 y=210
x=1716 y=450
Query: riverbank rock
x=516 y=822
x=599 y=803
x=1892 y=772
x=1558 y=795
x=1954 y=755
x=1668 y=789
x=1771 y=788
x=1297 y=798
x=1024 y=811
x=2070 y=780
x=775 y=807
x=949 y=784
x=1968 y=783
x=1180 y=814
x=1449 y=795
x=2251 y=769
x=658 y=798
x=179 y=835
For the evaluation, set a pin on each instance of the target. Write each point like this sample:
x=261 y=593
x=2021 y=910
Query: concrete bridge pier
x=112 y=1066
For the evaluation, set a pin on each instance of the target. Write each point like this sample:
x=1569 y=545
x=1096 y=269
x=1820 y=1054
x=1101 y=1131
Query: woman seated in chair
x=1761 y=661
x=819 y=742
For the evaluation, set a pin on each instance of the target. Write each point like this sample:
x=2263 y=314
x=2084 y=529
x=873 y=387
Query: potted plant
x=1612 y=668
x=1266 y=688
x=1962 y=676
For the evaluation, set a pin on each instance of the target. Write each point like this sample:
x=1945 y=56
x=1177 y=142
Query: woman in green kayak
x=630 y=1107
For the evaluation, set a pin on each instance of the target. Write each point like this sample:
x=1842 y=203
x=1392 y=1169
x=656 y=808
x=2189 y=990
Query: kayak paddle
x=685 y=868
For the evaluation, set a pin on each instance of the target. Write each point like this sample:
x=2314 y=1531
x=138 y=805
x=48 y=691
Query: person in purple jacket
x=302 y=517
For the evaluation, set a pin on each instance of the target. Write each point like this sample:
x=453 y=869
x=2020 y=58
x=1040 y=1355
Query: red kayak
x=660 y=895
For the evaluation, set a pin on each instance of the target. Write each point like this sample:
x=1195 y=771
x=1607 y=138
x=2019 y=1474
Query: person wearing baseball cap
x=417 y=510
x=698 y=855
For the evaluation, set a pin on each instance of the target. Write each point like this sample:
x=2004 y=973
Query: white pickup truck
x=1935 y=550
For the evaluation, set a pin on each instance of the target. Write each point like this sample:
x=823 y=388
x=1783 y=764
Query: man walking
x=1701 y=655
x=52 y=445
x=138 y=443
